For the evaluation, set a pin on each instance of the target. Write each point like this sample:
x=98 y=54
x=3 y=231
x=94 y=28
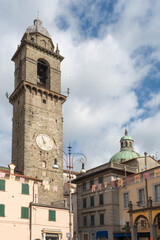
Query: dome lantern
x=126 y=150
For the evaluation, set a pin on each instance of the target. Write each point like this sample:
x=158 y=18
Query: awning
x=102 y=234
x=118 y=235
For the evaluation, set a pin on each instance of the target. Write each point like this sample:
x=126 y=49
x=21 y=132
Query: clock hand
x=43 y=140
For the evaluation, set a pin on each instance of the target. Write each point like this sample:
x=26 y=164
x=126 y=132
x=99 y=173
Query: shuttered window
x=92 y=220
x=84 y=202
x=52 y=215
x=2 y=185
x=101 y=219
x=25 y=212
x=25 y=188
x=157 y=193
x=101 y=199
x=92 y=201
x=2 y=208
x=84 y=221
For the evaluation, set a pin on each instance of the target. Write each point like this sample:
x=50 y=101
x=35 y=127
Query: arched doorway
x=142 y=228
x=156 y=225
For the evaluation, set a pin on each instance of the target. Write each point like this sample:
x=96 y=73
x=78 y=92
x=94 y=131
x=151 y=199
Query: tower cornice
x=24 y=85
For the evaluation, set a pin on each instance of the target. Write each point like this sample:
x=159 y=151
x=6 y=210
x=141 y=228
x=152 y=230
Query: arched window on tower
x=121 y=144
x=43 y=73
x=126 y=143
x=130 y=144
x=44 y=164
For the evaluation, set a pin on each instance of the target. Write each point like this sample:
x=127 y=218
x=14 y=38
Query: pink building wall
x=12 y=226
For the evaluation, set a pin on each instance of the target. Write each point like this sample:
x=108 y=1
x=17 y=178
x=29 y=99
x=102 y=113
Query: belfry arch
x=43 y=73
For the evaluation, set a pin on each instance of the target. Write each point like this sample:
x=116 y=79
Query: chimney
x=11 y=168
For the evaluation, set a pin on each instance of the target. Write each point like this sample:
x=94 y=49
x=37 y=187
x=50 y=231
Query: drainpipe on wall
x=146 y=183
x=30 y=214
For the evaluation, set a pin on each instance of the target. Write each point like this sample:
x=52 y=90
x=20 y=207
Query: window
x=84 y=186
x=32 y=39
x=92 y=220
x=101 y=199
x=2 y=185
x=125 y=200
x=91 y=183
x=43 y=164
x=25 y=212
x=101 y=219
x=100 y=180
x=2 y=209
x=141 y=197
x=157 y=193
x=52 y=215
x=25 y=188
x=158 y=222
x=93 y=236
x=84 y=202
x=42 y=71
x=50 y=236
x=84 y=221
x=92 y=201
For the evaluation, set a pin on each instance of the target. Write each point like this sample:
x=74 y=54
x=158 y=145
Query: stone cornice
x=24 y=85
x=35 y=45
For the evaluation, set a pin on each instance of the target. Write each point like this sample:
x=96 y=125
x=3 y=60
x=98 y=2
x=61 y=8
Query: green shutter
x=2 y=185
x=25 y=212
x=2 y=207
x=52 y=215
x=25 y=188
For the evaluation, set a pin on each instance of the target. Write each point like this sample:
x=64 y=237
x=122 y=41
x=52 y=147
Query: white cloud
x=100 y=73
x=154 y=101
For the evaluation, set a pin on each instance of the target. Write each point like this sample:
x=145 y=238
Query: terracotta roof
x=6 y=170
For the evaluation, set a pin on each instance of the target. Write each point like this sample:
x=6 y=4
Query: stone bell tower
x=37 y=140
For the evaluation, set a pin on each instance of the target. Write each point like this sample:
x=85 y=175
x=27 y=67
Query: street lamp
x=69 y=161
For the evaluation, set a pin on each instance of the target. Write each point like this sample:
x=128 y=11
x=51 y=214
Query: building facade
x=21 y=216
x=104 y=194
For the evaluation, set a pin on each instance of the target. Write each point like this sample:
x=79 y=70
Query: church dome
x=125 y=155
x=37 y=27
x=126 y=150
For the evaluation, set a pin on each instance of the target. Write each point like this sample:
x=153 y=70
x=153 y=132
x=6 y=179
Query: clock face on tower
x=44 y=142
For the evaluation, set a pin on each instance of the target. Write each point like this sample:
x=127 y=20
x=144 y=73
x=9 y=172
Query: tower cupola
x=37 y=27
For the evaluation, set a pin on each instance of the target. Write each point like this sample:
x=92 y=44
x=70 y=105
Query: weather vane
x=37 y=13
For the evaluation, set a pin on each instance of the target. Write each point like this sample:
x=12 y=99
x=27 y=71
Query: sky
x=111 y=65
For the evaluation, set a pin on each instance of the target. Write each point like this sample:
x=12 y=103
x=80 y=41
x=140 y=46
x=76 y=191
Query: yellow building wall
x=132 y=190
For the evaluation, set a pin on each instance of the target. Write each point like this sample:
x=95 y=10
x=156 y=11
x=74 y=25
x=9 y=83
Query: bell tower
x=37 y=131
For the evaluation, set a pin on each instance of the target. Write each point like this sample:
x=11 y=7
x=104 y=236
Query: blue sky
x=111 y=65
